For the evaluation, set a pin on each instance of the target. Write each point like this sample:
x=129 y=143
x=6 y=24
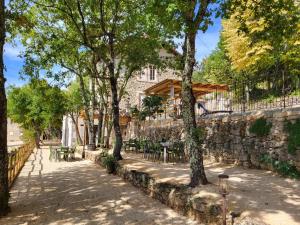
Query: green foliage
x=36 y=106
x=28 y=135
x=261 y=127
x=110 y=163
x=293 y=130
x=199 y=134
x=260 y=46
x=74 y=99
x=216 y=68
x=151 y=106
x=284 y=168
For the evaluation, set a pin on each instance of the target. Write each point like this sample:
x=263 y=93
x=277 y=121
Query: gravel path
x=80 y=192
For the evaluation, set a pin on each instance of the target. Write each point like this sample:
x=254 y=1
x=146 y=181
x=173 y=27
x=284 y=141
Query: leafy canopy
x=36 y=106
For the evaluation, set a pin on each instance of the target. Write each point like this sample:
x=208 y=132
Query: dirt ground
x=259 y=194
x=78 y=193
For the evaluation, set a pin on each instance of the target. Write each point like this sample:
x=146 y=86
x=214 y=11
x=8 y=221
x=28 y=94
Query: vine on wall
x=261 y=127
x=284 y=168
x=293 y=130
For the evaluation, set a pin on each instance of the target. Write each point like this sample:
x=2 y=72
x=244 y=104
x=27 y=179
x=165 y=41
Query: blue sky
x=205 y=43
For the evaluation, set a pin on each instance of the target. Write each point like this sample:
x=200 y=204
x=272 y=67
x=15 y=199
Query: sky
x=205 y=44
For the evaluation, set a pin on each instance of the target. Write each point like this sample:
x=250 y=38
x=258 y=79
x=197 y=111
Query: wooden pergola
x=172 y=89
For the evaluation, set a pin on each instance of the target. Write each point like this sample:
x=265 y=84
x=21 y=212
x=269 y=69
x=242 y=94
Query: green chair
x=72 y=153
x=52 y=154
x=63 y=153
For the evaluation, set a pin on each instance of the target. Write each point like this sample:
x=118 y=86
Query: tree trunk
x=192 y=137
x=115 y=118
x=75 y=121
x=37 y=136
x=4 y=191
x=89 y=114
x=105 y=122
x=100 y=124
x=115 y=101
x=107 y=138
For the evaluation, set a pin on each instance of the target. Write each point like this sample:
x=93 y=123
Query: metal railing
x=17 y=159
x=234 y=104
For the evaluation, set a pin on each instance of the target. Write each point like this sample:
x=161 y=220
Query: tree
x=4 y=191
x=216 y=68
x=73 y=106
x=27 y=107
x=119 y=35
x=152 y=105
x=260 y=43
x=188 y=17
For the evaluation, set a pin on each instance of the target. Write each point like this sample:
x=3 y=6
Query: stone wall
x=228 y=140
x=179 y=197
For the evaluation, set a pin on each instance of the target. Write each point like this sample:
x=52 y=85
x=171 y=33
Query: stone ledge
x=177 y=196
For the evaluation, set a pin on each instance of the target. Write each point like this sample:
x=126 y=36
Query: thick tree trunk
x=4 y=191
x=192 y=138
x=115 y=118
x=115 y=100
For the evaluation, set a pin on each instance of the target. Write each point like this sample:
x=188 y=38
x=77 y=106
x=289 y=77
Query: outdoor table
x=165 y=145
x=62 y=150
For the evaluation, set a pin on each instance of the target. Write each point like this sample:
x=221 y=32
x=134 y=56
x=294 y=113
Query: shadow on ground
x=80 y=193
x=257 y=193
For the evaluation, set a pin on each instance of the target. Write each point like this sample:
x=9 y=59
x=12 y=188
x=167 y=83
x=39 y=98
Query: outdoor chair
x=178 y=150
x=53 y=154
x=150 y=151
x=131 y=144
x=72 y=153
x=63 y=153
x=208 y=112
x=158 y=151
x=145 y=145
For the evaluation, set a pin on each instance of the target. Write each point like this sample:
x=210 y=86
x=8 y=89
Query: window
x=152 y=73
x=142 y=75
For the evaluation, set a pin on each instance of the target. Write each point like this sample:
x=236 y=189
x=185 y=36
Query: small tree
x=73 y=106
x=152 y=105
x=27 y=106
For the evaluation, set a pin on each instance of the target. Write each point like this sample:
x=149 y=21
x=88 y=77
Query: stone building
x=136 y=85
x=144 y=79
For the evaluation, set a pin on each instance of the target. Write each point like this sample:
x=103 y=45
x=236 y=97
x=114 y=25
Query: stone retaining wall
x=228 y=140
x=177 y=196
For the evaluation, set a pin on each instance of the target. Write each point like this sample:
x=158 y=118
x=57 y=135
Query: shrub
x=260 y=127
x=284 y=168
x=293 y=130
x=110 y=163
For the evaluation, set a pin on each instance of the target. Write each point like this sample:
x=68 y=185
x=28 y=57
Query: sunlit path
x=80 y=192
